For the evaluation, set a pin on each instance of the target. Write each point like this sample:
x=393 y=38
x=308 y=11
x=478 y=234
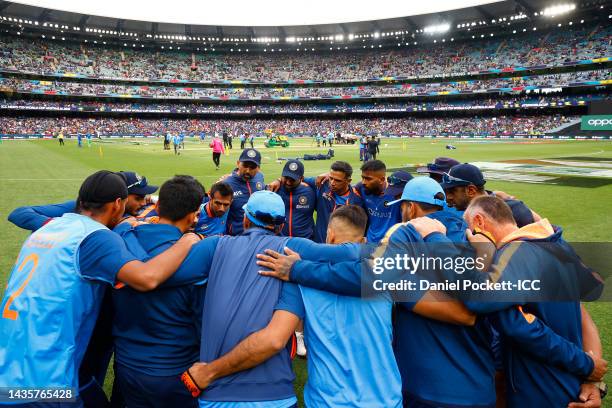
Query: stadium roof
x=485 y=11
x=247 y=13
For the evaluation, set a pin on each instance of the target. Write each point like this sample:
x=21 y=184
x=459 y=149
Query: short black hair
x=94 y=208
x=342 y=166
x=353 y=215
x=179 y=196
x=222 y=188
x=374 y=165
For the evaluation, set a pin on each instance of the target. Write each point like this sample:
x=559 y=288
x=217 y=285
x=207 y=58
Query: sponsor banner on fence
x=596 y=122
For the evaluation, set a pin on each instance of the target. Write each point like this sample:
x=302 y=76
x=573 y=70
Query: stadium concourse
x=153 y=290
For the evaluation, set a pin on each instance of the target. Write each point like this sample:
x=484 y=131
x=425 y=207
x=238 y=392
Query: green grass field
x=39 y=172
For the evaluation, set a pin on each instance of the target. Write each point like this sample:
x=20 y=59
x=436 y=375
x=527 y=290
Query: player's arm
x=257 y=347
x=104 y=256
x=439 y=306
x=535 y=338
x=591 y=341
x=34 y=217
x=250 y=352
x=311 y=251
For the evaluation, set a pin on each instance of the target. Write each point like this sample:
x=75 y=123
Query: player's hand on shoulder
x=321 y=179
x=503 y=195
x=274 y=186
x=189 y=239
x=279 y=265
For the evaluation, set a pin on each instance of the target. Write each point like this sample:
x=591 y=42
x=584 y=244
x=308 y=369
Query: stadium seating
x=521 y=50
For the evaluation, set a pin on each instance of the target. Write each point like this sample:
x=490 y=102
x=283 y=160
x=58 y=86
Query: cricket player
x=373 y=191
x=465 y=181
x=34 y=217
x=246 y=179
x=56 y=287
x=214 y=212
x=156 y=334
x=300 y=201
x=336 y=191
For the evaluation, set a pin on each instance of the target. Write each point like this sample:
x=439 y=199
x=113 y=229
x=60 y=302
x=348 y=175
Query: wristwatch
x=603 y=388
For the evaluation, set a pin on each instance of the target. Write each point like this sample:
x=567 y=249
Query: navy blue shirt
x=300 y=204
x=242 y=191
x=327 y=202
x=157 y=333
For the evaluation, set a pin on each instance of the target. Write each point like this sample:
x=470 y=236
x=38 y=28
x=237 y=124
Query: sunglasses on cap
x=447 y=179
x=394 y=180
x=138 y=183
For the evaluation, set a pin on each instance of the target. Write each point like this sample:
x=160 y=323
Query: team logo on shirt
x=251 y=153
x=293 y=166
x=258 y=185
x=302 y=200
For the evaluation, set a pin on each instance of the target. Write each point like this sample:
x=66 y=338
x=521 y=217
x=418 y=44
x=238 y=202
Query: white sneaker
x=301 y=346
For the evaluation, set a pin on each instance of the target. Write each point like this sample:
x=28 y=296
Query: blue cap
x=294 y=169
x=265 y=208
x=136 y=184
x=250 y=155
x=463 y=175
x=422 y=190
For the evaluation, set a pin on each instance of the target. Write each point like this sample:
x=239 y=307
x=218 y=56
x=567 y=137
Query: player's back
x=157 y=332
x=49 y=309
x=239 y=302
x=350 y=354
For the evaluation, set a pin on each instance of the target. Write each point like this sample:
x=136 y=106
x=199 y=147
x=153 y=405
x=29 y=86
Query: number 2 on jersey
x=13 y=314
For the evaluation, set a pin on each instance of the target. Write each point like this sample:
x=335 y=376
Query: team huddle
x=201 y=295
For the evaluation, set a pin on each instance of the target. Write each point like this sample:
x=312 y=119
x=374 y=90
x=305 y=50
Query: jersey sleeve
x=291 y=301
x=311 y=251
x=34 y=217
x=342 y=278
x=196 y=267
x=535 y=338
x=101 y=255
x=311 y=181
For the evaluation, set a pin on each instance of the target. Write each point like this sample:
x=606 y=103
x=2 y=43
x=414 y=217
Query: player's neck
x=180 y=224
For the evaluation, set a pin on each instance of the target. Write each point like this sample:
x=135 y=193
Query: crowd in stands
x=523 y=49
x=193 y=108
x=494 y=126
x=164 y=92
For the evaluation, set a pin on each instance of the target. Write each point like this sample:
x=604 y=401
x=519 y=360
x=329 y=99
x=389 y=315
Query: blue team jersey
x=157 y=333
x=300 y=204
x=242 y=191
x=350 y=354
x=381 y=216
x=327 y=202
x=227 y=320
x=51 y=304
x=208 y=224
